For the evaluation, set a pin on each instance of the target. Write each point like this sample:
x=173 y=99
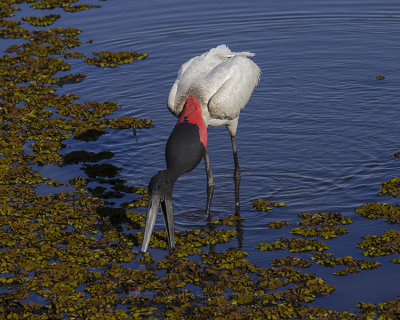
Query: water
x=317 y=134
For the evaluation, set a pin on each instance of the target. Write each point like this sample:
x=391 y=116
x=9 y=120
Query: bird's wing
x=235 y=79
x=210 y=76
x=174 y=97
x=191 y=72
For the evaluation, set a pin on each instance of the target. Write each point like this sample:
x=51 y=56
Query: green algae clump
x=80 y=7
x=52 y=4
x=380 y=210
x=324 y=225
x=262 y=205
x=294 y=245
x=323 y=219
x=278 y=224
x=113 y=59
x=385 y=244
x=390 y=188
x=42 y=21
x=291 y=261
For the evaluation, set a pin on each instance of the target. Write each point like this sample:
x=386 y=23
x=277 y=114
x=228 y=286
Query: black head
x=160 y=193
x=161 y=185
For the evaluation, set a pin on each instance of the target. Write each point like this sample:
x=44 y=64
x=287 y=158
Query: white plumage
x=222 y=81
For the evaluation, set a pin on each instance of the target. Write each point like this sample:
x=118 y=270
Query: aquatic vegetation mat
x=112 y=59
x=380 y=210
x=70 y=253
x=390 y=188
x=278 y=224
x=387 y=243
x=324 y=225
x=262 y=205
x=386 y=210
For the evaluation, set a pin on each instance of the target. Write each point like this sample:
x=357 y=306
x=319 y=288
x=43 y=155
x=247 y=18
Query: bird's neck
x=187 y=142
x=191 y=113
x=171 y=177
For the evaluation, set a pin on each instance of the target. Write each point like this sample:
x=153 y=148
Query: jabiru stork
x=210 y=90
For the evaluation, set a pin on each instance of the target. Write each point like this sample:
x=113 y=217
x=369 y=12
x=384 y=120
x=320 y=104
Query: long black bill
x=152 y=211
x=168 y=213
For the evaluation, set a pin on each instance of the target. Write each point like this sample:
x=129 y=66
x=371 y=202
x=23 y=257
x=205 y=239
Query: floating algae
x=262 y=205
x=322 y=225
x=112 y=59
x=70 y=248
x=278 y=224
x=42 y=21
x=390 y=188
x=51 y=244
x=380 y=210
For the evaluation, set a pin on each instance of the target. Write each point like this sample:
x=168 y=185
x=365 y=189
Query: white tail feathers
x=245 y=53
x=223 y=50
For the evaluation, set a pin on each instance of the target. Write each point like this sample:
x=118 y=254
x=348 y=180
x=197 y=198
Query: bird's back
x=221 y=80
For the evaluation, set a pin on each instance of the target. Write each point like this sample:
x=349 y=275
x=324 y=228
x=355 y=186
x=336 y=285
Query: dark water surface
x=317 y=134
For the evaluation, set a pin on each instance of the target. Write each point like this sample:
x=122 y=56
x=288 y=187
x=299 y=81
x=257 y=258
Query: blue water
x=317 y=134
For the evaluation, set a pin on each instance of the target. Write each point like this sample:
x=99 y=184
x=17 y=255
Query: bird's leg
x=235 y=157
x=236 y=175
x=210 y=182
